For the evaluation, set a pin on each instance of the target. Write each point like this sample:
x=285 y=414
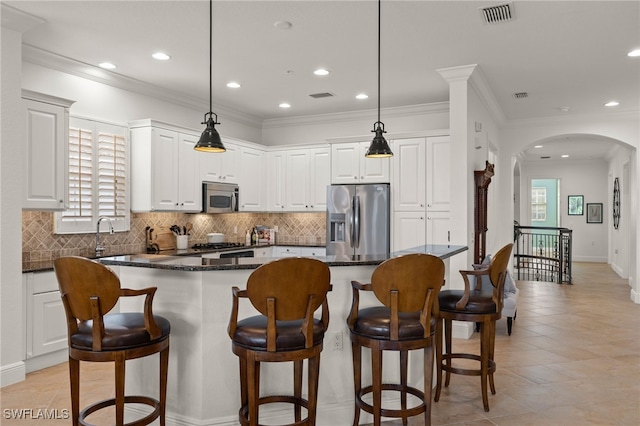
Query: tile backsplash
x=39 y=243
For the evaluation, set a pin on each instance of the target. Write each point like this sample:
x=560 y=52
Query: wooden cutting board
x=164 y=238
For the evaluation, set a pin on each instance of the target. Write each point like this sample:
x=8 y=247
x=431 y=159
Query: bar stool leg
x=74 y=379
x=357 y=379
x=376 y=370
x=119 y=372
x=253 y=389
x=492 y=336
x=447 y=340
x=404 y=361
x=485 y=342
x=428 y=380
x=314 y=373
x=164 y=369
x=297 y=387
x=438 y=344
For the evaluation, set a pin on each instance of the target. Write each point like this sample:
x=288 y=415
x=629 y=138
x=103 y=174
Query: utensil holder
x=182 y=242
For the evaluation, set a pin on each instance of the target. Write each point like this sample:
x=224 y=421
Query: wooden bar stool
x=89 y=291
x=481 y=305
x=407 y=286
x=286 y=293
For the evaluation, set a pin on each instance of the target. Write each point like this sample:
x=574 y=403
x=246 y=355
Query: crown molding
x=551 y=120
x=335 y=117
x=17 y=20
x=70 y=66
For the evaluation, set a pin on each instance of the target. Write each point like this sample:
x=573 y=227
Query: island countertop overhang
x=197 y=263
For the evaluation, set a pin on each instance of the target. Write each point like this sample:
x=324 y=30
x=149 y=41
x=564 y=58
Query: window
x=538 y=204
x=98 y=177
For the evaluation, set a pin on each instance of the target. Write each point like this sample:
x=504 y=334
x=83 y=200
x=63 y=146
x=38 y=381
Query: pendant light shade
x=379 y=147
x=210 y=140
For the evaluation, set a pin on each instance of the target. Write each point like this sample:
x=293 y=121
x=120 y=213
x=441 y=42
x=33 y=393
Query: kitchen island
x=194 y=294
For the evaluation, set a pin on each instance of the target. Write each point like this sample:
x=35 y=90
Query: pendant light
x=379 y=147
x=210 y=140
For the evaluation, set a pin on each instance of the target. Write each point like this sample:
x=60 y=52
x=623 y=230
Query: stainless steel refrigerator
x=358 y=219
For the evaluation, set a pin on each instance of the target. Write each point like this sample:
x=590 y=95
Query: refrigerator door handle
x=352 y=227
x=356 y=220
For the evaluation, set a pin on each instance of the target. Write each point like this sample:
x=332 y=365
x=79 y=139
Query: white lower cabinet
x=313 y=251
x=46 y=326
x=284 y=251
x=412 y=229
x=263 y=252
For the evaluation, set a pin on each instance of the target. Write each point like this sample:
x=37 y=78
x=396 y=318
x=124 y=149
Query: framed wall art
x=576 y=203
x=594 y=212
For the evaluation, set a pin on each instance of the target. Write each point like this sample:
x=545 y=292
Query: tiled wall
x=39 y=243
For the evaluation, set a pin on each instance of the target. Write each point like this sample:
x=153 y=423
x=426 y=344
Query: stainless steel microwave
x=220 y=197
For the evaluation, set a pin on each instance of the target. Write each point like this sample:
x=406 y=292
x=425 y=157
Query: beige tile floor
x=573 y=359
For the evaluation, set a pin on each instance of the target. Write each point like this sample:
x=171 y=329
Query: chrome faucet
x=99 y=248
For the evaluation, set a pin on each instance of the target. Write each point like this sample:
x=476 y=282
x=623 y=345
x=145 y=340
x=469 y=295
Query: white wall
x=317 y=129
x=12 y=334
x=624 y=128
x=108 y=103
x=620 y=250
x=587 y=178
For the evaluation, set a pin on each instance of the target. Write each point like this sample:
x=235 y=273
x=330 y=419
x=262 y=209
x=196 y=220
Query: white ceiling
x=562 y=53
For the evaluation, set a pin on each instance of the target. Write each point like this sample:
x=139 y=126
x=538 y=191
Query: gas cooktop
x=215 y=246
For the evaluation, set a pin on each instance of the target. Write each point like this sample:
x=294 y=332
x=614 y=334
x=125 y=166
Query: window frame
x=534 y=212
x=87 y=224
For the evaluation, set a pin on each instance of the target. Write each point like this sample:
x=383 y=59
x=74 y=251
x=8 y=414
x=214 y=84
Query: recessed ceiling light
x=161 y=56
x=321 y=71
x=107 y=65
x=563 y=109
x=538 y=146
x=283 y=25
x=284 y=105
x=612 y=103
x=634 y=53
x=362 y=96
x=233 y=85
x=565 y=155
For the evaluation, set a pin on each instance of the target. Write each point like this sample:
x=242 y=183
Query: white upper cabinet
x=276 y=181
x=409 y=174
x=350 y=166
x=46 y=151
x=438 y=173
x=421 y=172
x=252 y=196
x=221 y=167
x=307 y=176
x=165 y=171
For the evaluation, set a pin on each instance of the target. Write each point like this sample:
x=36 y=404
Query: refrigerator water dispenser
x=337 y=224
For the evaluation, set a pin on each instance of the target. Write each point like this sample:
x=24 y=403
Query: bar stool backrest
x=411 y=277
x=291 y=284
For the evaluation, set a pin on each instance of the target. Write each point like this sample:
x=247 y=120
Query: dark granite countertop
x=197 y=263
x=47 y=265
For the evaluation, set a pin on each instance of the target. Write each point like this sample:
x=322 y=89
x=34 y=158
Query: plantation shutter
x=80 y=174
x=111 y=175
x=98 y=177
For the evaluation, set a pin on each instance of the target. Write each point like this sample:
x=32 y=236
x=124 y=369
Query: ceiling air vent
x=322 y=95
x=496 y=14
x=521 y=95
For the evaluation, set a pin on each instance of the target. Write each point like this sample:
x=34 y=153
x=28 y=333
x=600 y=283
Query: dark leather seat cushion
x=374 y=322
x=479 y=302
x=251 y=333
x=122 y=331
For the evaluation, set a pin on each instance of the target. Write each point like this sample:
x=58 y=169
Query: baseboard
x=592 y=259
x=12 y=373
x=47 y=360
x=635 y=296
x=462 y=329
